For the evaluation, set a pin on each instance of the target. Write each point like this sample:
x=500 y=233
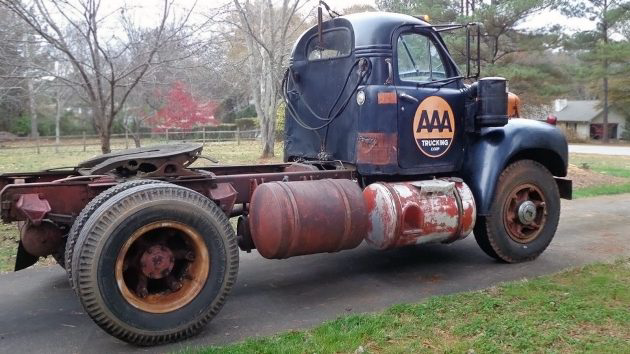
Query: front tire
x=155 y=263
x=524 y=214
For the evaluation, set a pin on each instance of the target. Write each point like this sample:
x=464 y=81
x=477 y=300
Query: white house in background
x=583 y=119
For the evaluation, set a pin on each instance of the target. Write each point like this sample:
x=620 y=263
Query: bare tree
x=30 y=89
x=267 y=31
x=105 y=69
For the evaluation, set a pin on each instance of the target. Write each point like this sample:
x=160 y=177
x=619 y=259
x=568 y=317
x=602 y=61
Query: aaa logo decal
x=434 y=126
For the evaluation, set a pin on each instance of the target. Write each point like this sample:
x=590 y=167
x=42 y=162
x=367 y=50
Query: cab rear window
x=335 y=43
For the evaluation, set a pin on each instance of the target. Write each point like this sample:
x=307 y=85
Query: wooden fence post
x=37 y=143
x=84 y=143
x=166 y=134
x=203 y=136
x=238 y=136
x=126 y=138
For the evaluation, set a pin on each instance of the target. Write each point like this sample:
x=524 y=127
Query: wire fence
x=129 y=140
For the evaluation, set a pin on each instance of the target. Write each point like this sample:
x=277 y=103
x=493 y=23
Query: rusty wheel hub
x=162 y=266
x=157 y=262
x=525 y=213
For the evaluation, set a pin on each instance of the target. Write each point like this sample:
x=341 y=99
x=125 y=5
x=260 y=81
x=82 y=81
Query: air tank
x=409 y=213
x=289 y=219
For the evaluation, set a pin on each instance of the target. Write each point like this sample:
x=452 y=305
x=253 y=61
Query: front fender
x=491 y=150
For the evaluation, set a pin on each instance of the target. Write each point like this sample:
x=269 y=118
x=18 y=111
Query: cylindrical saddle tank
x=296 y=218
x=409 y=213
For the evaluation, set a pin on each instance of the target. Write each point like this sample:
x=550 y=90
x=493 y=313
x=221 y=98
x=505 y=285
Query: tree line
x=106 y=68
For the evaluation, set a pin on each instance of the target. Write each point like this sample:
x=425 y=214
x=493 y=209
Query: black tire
x=84 y=215
x=58 y=255
x=482 y=238
x=495 y=233
x=106 y=236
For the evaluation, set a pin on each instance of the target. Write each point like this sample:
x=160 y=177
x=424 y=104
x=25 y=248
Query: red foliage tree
x=183 y=111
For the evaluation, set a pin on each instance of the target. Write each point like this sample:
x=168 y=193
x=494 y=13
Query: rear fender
x=493 y=149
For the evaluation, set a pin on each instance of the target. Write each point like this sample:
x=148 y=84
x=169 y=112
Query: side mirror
x=473 y=39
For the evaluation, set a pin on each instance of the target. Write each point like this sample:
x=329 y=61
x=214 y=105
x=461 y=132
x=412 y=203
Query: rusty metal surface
x=224 y=195
x=59 y=196
x=157 y=262
x=387 y=97
x=68 y=197
x=377 y=148
x=33 y=207
x=41 y=240
x=144 y=160
x=298 y=218
x=408 y=213
x=162 y=266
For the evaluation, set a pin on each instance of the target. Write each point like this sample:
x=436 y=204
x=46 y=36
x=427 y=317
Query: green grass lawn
x=9 y=239
x=581 y=310
x=27 y=159
x=602 y=190
x=609 y=165
x=618 y=166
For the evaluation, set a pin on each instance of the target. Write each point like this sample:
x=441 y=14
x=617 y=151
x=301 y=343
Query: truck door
x=430 y=109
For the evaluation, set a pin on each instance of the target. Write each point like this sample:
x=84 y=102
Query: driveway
x=600 y=149
x=39 y=312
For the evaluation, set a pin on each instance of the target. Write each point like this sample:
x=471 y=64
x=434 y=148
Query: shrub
x=221 y=127
x=249 y=123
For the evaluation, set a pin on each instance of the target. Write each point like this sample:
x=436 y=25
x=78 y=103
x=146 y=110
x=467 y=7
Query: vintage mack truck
x=385 y=142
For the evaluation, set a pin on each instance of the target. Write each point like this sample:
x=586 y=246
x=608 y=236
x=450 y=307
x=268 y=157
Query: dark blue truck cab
x=380 y=93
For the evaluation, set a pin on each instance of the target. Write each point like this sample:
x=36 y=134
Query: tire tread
x=87 y=288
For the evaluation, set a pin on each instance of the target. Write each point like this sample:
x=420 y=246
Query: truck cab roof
x=374 y=28
x=370 y=33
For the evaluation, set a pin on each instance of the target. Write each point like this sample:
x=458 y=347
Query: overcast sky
x=542 y=19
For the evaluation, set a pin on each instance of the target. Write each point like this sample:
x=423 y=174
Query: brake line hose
x=363 y=73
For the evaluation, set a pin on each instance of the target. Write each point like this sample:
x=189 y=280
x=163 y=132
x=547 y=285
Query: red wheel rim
x=525 y=213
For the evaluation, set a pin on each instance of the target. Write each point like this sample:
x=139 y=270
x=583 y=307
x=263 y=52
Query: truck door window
x=335 y=43
x=418 y=59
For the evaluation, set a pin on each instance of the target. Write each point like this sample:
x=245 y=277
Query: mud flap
x=23 y=258
x=565 y=187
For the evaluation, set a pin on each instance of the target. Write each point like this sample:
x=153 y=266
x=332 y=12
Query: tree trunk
x=105 y=142
x=605 y=115
x=32 y=109
x=268 y=133
x=28 y=52
x=58 y=121
x=136 y=140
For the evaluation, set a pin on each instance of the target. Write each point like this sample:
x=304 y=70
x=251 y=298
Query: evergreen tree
x=507 y=49
x=606 y=60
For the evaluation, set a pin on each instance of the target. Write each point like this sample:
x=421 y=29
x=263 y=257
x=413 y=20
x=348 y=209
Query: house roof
x=578 y=111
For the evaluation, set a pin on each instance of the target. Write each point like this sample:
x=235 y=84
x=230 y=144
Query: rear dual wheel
x=524 y=214
x=154 y=263
x=83 y=217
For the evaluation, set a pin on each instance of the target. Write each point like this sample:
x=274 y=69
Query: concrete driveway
x=40 y=313
x=600 y=149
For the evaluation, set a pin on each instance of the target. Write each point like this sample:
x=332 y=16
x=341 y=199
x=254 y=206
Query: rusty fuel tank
x=408 y=213
x=296 y=218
